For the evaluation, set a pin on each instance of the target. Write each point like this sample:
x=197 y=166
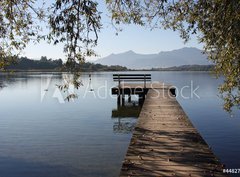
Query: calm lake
x=42 y=135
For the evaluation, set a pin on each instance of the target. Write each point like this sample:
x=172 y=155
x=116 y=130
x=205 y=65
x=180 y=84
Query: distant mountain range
x=132 y=60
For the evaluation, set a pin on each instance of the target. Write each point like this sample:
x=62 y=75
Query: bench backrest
x=132 y=78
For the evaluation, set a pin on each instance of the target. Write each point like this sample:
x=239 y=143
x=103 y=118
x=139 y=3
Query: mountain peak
x=129 y=52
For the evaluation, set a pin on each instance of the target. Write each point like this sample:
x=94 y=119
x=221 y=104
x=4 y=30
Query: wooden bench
x=132 y=78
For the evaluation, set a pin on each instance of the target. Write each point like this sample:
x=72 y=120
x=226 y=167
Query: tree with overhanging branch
x=76 y=24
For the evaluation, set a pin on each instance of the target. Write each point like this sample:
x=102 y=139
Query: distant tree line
x=24 y=63
x=87 y=66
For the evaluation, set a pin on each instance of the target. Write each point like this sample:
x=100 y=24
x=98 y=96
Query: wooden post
x=123 y=98
x=129 y=98
x=140 y=99
x=118 y=100
x=144 y=80
x=119 y=96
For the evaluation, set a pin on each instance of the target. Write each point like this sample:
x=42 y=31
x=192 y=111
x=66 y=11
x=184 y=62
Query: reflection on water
x=130 y=109
x=125 y=116
x=124 y=125
x=40 y=136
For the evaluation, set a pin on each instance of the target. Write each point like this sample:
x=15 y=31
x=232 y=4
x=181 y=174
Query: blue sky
x=136 y=38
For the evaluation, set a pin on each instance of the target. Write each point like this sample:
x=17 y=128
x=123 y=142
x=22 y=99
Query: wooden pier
x=164 y=141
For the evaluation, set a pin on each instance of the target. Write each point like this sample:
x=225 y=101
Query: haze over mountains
x=132 y=60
